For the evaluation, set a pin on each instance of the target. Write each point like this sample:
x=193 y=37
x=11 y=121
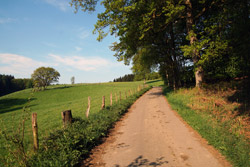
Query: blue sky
x=48 y=33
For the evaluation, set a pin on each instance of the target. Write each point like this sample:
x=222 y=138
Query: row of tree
x=9 y=84
x=40 y=79
x=187 y=40
x=138 y=77
x=125 y=78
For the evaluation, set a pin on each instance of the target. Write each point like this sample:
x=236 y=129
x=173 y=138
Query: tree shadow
x=12 y=104
x=242 y=96
x=156 y=93
x=140 y=161
x=61 y=87
x=149 y=82
x=166 y=90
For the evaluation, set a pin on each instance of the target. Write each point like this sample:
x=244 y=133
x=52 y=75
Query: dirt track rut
x=151 y=134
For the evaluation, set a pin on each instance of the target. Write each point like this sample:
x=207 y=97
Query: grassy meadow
x=50 y=103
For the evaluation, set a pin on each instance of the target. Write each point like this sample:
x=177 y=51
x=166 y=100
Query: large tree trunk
x=196 y=55
x=176 y=72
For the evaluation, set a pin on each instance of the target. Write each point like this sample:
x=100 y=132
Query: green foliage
x=9 y=84
x=44 y=76
x=211 y=36
x=5 y=84
x=125 y=78
x=13 y=141
x=147 y=76
x=138 y=77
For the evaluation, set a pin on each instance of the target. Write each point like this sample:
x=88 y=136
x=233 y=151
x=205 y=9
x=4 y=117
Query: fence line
x=67 y=114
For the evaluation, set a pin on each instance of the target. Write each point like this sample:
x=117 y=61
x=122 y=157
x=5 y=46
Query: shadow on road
x=156 y=93
x=140 y=161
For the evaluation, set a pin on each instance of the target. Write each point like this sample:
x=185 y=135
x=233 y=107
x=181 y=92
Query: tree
x=125 y=78
x=9 y=84
x=208 y=37
x=72 y=80
x=5 y=84
x=44 y=76
x=143 y=27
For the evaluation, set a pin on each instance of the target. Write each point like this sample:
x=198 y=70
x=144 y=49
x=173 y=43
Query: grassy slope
x=50 y=103
x=219 y=124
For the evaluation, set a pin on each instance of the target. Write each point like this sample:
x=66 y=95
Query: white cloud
x=18 y=65
x=83 y=33
x=6 y=20
x=22 y=67
x=63 y=5
x=81 y=63
x=49 y=44
x=78 y=49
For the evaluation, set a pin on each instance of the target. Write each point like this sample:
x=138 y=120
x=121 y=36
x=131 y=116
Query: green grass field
x=50 y=103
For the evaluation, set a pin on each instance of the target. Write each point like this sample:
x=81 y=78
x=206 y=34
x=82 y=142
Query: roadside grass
x=50 y=103
x=219 y=120
x=70 y=146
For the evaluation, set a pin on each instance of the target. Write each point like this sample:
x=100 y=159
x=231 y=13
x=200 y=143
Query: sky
x=35 y=33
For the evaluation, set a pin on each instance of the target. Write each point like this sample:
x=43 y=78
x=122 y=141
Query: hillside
x=50 y=103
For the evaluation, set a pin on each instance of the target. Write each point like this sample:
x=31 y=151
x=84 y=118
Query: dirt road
x=151 y=134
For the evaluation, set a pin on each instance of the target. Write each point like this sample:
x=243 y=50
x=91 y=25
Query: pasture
x=50 y=103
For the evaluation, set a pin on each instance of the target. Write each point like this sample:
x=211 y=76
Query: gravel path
x=151 y=134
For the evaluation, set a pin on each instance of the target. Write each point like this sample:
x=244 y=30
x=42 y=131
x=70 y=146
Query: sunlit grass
x=50 y=103
x=215 y=119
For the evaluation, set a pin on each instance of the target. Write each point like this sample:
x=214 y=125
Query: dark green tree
x=210 y=37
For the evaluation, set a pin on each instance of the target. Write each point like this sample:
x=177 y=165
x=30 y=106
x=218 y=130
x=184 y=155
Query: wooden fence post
x=111 y=99
x=88 y=109
x=116 y=98
x=120 y=95
x=66 y=117
x=125 y=94
x=35 y=131
x=103 y=102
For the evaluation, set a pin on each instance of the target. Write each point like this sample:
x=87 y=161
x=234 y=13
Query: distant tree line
x=147 y=76
x=9 y=84
x=138 y=77
x=125 y=78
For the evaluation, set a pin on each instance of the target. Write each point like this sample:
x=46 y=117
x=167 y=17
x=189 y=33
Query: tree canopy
x=9 y=84
x=186 y=39
x=44 y=76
